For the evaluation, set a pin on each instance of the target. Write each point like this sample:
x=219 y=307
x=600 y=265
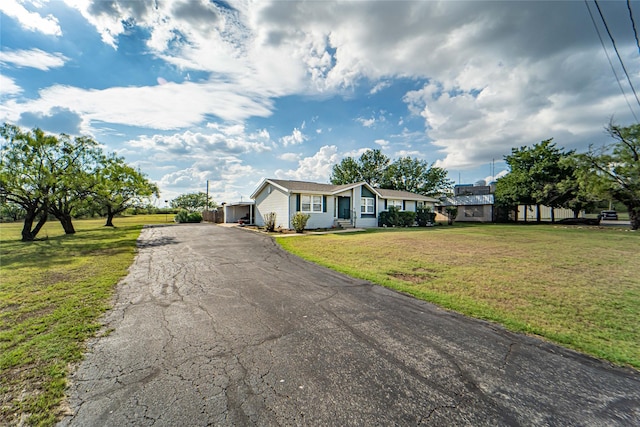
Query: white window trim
x=364 y=206
x=395 y=203
x=311 y=203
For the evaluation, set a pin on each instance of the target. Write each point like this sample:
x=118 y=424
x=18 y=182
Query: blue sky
x=234 y=92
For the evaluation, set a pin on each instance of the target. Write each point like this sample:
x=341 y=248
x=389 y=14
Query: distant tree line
x=405 y=173
x=547 y=175
x=62 y=176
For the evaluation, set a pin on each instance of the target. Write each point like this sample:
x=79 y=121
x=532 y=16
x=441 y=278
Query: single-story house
x=328 y=205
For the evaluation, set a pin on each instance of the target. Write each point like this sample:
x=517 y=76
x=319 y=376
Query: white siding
x=410 y=205
x=276 y=201
x=316 y=219
x=367 y=222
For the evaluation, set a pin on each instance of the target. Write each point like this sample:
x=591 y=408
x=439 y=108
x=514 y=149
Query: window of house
x=367 y=205
x=473 y=211
x=395 y=204
x=310 y=203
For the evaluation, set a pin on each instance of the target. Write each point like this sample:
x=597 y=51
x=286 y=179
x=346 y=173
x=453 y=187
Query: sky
x=191 y=91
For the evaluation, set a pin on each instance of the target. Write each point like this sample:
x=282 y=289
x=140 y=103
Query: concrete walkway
x=219 y=326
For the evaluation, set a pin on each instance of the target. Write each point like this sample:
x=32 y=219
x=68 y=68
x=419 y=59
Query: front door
x=344 y=207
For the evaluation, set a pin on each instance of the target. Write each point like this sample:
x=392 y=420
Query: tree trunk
x=553 y=215
x=526 y=209
x=67 y=224
x=634 y=217
x=110 y=215
x=576 y=213
x=538 y=219
x=27 y=236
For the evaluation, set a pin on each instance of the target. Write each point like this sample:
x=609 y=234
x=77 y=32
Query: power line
x=609 y=59
x=613 y=42
x=633 y=24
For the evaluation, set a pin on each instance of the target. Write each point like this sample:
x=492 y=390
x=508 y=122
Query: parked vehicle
x=609 y=215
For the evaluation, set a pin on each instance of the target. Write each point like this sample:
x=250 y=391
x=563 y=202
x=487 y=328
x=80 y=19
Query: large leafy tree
x=511 y=191
x=193 y=202
x=78 y=162
x=28 y=172
x=416 y=176
x=120 y=187
x=346 y=172
x=405 y=173
x=370 y=167
x=535 y=173
x=373 y=166
x=572 y=195
x=613 y=171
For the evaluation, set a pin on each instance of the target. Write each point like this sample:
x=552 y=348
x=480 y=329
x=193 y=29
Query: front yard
x=573 y=285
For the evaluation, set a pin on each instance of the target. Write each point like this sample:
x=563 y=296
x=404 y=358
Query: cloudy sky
x=233 y=92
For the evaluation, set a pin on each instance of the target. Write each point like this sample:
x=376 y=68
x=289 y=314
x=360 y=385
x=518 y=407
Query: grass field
x=576 y=286
x=52 y=294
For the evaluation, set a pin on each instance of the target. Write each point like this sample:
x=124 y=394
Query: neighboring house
x=475 y=202
x=328 y=205
x=475 y=208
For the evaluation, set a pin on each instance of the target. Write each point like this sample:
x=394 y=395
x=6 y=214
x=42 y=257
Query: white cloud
x=196 y=145
x=366 y=122
x=34 y=58
x=490 y=178
x=9 y=86
x=296 y=137
x=31 y=21
x=168 y=106
x=380 y=86
x=184 y=179
x=315 y=168
x=289 y=157
x=382 y=142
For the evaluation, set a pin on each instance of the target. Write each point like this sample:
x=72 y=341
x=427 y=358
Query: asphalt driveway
x=219 y=326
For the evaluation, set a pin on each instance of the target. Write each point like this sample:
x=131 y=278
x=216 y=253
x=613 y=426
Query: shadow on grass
x=58 y=250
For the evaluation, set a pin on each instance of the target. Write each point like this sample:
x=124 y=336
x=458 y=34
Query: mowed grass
x=576 y=286
x=52 y=293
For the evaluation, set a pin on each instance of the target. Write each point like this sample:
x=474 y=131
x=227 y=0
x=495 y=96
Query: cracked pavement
x=219 y=326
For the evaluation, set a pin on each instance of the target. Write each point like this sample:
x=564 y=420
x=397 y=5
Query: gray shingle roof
x=315 y=187
x=304 y=186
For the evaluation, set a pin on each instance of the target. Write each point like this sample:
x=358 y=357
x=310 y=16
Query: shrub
x=424 y=217
x=270 y=221
x=299 y=221
x=194 y=217
x=452 y=213
x=406 y=219
x=389 y=218
x=185 y=216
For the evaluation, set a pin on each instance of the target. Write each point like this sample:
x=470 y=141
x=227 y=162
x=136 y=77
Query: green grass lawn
x=52 y=293
x=577 y=286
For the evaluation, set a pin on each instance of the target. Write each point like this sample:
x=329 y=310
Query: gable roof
x=291 y=186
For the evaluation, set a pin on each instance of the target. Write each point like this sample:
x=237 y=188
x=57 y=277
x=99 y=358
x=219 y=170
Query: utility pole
x=207 y=196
